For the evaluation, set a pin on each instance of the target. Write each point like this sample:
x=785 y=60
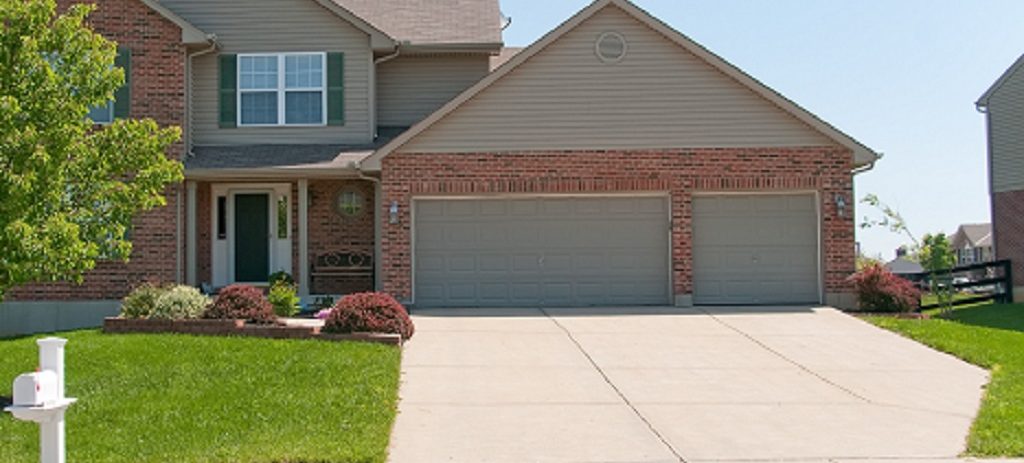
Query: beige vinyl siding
x=270 y=26
x=658 y=96
x=411 y=87
x=1006 y=130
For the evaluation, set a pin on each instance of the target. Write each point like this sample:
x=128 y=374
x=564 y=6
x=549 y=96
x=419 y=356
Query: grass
x=189 y=399
x=930 y=298
x=990 y=336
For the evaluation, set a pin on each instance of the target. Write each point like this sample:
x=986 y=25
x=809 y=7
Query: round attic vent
x=611 y=47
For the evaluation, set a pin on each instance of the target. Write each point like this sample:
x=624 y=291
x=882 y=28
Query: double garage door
x=611 y=250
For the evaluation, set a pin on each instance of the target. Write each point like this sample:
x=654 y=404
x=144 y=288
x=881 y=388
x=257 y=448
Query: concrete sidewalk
x=669 y=385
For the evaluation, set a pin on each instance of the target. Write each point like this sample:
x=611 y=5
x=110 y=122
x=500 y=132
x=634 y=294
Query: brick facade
x=157 y=92
x=1007 y=228
x=328 y=231
x=331 y=231
x=682 y=172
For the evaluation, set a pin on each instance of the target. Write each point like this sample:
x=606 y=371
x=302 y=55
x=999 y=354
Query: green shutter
x=228 y=91
x=123 y=95
x=335 y=89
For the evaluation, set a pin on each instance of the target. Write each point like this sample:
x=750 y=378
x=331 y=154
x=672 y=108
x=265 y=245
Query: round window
x=611 y=47
x=349 y=203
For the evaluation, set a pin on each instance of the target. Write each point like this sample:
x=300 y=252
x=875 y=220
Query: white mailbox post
x=39 y=397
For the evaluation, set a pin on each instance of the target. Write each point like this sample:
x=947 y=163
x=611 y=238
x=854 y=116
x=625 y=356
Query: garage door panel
x=558 y=252
x=755 y=249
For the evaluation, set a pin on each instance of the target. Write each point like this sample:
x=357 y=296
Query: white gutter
x=186 y=133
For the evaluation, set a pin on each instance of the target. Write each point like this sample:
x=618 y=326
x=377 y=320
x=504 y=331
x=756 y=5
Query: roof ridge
x=862 y=154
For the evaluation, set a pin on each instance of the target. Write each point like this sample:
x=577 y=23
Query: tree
x=68 y=190
x=933 y=252
x=936 y=253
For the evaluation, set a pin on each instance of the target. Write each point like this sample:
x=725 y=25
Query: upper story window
x=282 y=89
x=118 y=107
x=102 y=114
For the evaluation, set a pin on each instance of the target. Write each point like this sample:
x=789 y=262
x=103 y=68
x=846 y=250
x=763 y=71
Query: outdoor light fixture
x=841 y=205
x=393 y=212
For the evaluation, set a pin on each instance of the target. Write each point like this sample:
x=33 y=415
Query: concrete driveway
x=669 y=385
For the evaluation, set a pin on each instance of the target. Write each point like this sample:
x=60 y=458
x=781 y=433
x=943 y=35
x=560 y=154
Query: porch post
x=303 y=274
x=190 y=232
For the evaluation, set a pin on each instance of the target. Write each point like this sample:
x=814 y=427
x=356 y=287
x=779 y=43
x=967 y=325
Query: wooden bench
x=342 y=263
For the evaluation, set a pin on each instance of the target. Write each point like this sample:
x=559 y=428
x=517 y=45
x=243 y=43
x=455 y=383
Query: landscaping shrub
x=283 y=298
x=180 y=302
x=141 y=302
x=369 y=312
x=879 y=290
x=280 y=275
x=245 y=302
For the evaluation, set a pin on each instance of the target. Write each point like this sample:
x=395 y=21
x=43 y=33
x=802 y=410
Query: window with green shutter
x=281 y=89
x=228 y=88
x=335 y=89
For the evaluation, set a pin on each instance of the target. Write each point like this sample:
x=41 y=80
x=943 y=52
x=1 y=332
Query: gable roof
x=189 y=33
x=976 y=234
x=903 y=266
x=1017 y=65
x=422 y=22
x=863 y=155
x=379 y=40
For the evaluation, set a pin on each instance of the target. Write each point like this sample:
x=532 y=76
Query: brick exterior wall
x=330 y=231
x=680 y=172
x=157 y=92
x=1008 y=228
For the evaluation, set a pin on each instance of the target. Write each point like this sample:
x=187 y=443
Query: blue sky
x=900 y=76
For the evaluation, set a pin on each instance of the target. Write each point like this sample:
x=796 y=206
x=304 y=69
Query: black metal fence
x=987 y=281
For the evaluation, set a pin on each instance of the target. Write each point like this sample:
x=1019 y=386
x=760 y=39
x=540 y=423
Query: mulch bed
x=239 y=328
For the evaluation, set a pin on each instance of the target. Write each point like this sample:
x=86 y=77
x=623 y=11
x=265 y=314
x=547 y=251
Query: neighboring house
x=614 y=161
x=902 y=265
x=972 y=244
x=1003 y=105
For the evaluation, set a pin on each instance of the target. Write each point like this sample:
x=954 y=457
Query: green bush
x=141 y=302
x=280 y=275
x=282 y=296
x=180 y=302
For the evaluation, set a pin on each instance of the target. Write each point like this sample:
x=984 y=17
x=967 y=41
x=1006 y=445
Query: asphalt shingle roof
x=431 y=21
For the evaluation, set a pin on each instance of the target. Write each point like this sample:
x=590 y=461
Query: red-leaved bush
x=879 y=290
x=244 y=302
x=369 y=312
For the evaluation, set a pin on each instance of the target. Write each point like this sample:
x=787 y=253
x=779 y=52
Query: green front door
x=252 y=245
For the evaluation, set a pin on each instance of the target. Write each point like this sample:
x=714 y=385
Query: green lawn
x=178 y=398
x=991 y=336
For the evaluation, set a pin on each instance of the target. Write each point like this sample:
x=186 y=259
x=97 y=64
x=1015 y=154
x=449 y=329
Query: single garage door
x=551 y=251
x=755 y=249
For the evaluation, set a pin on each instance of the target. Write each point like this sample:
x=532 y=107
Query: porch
x=319 y=230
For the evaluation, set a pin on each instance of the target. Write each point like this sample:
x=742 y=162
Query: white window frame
x=281 y=90
x=110 y=109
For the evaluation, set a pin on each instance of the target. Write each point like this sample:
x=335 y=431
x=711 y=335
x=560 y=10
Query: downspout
x=373 y=85
x=186 y=133
x=212 y=39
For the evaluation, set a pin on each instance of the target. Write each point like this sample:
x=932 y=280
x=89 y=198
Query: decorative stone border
x=898 y=315
x=239 y=328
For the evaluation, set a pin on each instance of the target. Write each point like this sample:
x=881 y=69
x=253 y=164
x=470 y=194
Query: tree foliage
x=936 y=253
x=68 y=190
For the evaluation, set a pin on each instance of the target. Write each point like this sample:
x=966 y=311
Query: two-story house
x=362 y=144
x=1003 y=106
x=972 y=243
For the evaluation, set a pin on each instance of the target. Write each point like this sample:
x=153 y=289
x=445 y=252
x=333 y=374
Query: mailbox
x=35 y=389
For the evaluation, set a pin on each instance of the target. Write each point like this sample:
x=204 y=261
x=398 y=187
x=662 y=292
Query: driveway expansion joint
x=787 y=359
x=615 y=388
